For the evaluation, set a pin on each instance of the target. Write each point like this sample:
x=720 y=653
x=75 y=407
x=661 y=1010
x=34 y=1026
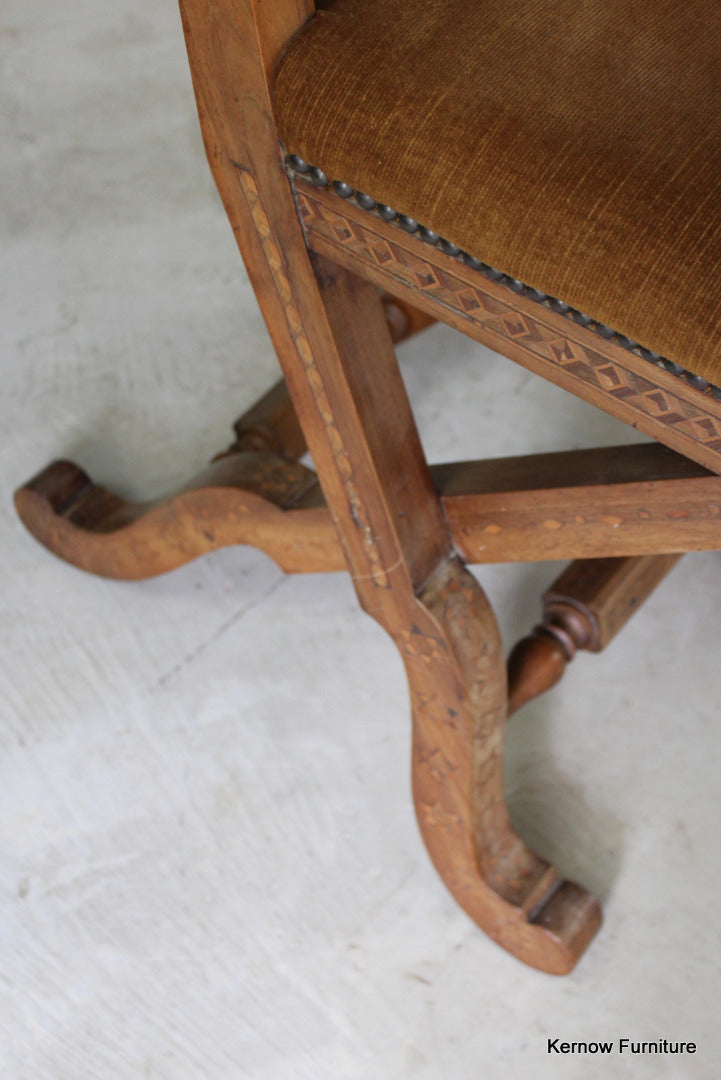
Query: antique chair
x=545 y=176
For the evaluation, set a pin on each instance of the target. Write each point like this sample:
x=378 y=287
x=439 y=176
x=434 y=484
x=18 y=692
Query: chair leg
x=335 y=350
x=407 y=578
x=455 y=668
x=584 y=609
x=248 y=497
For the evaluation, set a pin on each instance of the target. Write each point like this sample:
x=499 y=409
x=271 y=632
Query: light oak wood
x=244 y=498
x=276 y=22
x=272 y=424
x=584 y=609
x=502 y=510
x=607 y=592
x=335 y=350
x=621 y=383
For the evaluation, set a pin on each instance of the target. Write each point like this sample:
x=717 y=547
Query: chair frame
x=317 y=260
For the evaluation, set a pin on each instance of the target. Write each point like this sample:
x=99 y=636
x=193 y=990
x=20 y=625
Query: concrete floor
x=210 y=866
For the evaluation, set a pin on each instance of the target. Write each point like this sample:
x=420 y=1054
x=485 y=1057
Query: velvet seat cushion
x=572 y=144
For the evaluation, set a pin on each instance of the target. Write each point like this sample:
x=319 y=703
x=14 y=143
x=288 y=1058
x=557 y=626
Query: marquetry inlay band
x=312 y=174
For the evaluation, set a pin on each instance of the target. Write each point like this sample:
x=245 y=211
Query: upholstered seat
x=575 y=146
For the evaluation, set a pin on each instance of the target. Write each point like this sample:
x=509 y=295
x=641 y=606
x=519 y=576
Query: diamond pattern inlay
x=425 y=277
x=516 y=326
x=469 y=300
x=562 y=350
x=381 y=251
x=608 y=376
x=693 y=415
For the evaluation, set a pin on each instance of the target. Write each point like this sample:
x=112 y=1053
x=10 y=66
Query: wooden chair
x=382 y=169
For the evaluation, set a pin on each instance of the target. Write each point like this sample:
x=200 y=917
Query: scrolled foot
x=455 y=666
x=246 y=498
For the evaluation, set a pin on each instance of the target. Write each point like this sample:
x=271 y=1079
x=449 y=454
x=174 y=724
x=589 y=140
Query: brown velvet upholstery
x=574 y=144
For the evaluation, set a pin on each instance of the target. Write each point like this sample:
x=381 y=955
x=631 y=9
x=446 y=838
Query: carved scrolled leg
x=333 y=343
x=247 y=498
x=407 y=578
x=454 y=660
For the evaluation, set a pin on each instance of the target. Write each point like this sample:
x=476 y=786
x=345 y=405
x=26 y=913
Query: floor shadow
x=551 y=810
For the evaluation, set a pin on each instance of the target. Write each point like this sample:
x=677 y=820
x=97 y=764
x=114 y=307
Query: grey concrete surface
x=209 y=863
